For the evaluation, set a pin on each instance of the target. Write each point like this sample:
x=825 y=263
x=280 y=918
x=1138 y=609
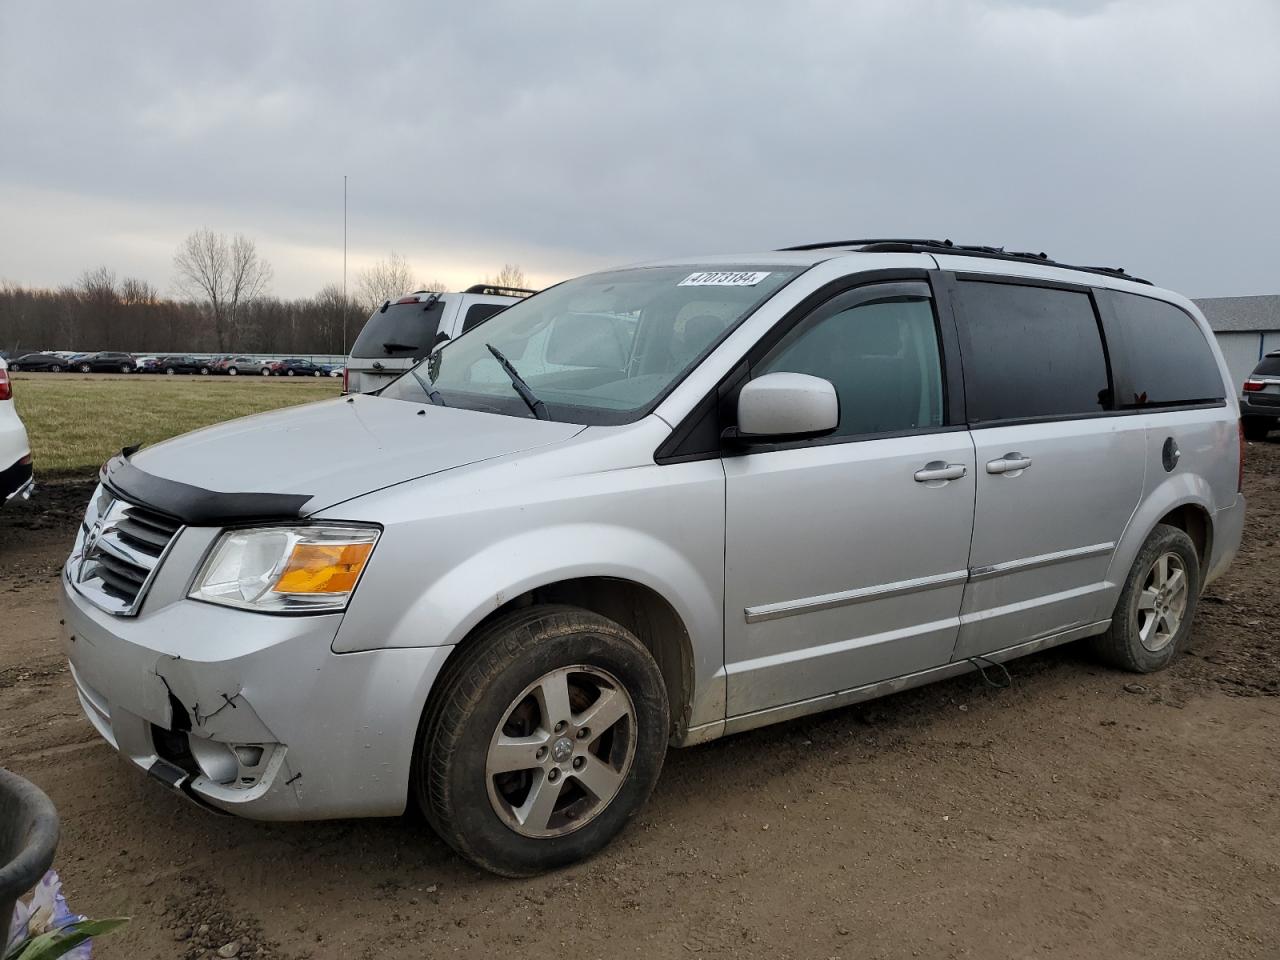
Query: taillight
x=6 y=388
x=1253 y=386
x=346 y=380
x=1240 y=475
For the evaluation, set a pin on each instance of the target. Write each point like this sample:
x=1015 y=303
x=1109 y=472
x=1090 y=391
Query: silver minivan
x=649 y=507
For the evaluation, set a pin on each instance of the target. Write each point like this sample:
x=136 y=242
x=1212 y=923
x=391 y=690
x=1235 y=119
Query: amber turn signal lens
x=323 y=568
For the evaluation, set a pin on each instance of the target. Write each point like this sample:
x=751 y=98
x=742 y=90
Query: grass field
x=76 y=423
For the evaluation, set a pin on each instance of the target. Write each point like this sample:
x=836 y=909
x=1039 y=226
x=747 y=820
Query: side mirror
x=786 y=406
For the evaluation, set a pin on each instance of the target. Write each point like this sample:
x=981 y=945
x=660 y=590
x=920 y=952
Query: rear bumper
x=16 y=481
x=251 y=714
x=1266 y=405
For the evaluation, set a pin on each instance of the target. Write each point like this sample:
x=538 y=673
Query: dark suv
x=1260 y=398
x=106 y=362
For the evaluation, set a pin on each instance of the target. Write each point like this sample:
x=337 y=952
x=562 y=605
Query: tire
x=316 y=373
x=14 y=368
x=490 y=688
x=125 y=368
x=266 y=372
x=169 y=371
x=204 y=371
x=1134 y=642
x=288 y=373
x=232 y=372
x=85 y=368
x=1257 y=428
x=55 y=368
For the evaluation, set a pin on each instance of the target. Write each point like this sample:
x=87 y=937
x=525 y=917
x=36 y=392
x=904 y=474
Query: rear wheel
x=55 y=368
x=1152 y=619
x=266 y=372
x=288 y=373
x=204 y=371
x=547 y=734
x=125 y=368
x=85 y=368
x=14 y=367
x=1257 y=428
x=170 y=371
x=232 y=372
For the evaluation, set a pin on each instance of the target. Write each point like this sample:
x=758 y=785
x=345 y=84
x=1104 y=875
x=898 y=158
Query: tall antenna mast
x=344 y=264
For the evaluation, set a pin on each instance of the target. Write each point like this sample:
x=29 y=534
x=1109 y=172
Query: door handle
x=1009 y=463
x=936 y=470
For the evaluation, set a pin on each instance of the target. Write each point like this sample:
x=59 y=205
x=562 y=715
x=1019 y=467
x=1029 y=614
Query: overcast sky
x=568 y=136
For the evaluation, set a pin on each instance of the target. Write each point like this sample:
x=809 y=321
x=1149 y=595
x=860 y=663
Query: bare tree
x=509 y=276
x=137 y=292
x=386 y=280
x=223 y=274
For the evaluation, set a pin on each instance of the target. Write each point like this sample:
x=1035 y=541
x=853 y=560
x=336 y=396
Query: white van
x=15 y=449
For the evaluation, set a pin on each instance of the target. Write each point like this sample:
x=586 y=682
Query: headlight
x=286 y=569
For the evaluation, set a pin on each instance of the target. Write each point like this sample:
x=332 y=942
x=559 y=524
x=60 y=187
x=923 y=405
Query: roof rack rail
x=946 y=247
x=494 y=290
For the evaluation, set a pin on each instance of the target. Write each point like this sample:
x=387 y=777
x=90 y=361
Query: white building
x=1246 y=327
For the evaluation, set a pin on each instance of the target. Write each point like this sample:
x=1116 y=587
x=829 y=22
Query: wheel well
x=642 y=611
x=1195 y=523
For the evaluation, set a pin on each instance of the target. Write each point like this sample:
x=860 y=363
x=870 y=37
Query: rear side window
x=1030 y=352
x=402 y=330
x=1269 y=367
x=480 y=312
x=1167 y=360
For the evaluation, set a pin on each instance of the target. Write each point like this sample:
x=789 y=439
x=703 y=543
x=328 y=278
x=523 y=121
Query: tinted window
x=402 y=330
x=1030 y=352
x=1167 y=359
x=882 y=359
x=479 y=312
x=1269 y=367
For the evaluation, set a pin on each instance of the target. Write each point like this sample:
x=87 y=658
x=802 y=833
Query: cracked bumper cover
x=340 y=728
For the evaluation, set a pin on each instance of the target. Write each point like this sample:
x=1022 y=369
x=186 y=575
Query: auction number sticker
x=724 y=278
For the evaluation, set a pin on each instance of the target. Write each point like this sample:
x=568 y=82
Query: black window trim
x=720 y=404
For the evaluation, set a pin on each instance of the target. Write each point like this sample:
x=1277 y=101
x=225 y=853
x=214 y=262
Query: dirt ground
x=1081 y=813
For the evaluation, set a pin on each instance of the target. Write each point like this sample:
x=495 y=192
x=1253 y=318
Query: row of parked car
x=115 y=362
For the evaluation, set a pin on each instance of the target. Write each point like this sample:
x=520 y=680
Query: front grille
x=122 y=548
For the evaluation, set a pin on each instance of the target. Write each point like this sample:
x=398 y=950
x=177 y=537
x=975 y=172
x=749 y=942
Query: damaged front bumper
x=251 y=714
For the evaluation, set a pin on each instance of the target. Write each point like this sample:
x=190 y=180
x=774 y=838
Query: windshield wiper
x=530 y=399
x=393 y=347
x=432 y=393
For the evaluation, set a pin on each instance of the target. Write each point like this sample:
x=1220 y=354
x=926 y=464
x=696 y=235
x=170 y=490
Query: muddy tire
x=545 y=735
x=1153 y=616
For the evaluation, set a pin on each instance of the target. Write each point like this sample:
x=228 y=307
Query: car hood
x=334 y=450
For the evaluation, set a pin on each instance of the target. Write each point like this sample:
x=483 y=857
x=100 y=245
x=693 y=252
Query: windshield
x=599 y=349
x=401 y=330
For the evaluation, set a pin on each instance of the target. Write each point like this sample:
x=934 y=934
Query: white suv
x=399 y=334
x=15 y=449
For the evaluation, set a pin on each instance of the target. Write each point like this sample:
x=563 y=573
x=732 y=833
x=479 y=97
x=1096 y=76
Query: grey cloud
x=567 y=135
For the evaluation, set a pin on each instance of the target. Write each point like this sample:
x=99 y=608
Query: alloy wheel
x=561 y=752
x=1162 y=602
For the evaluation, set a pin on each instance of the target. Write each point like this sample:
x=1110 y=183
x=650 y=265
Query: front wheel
x=55 y=368
x=125 y=368
x=288 y=373
x=546 y=736
x=1152 y=619
x=14 y=367
x=232 y=372
x=85 y=368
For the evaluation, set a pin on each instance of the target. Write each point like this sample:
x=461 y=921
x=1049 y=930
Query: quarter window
x=1030 y=352
x=478 y=313
x=882 y=358
x=1167 y=360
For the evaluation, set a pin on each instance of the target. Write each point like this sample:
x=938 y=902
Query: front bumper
x=251 y=714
